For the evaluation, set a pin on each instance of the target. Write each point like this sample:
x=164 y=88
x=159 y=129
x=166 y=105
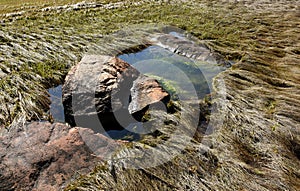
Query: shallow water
x=56 y=107
x=179 y=75
x=182 y=77
x=129 y=133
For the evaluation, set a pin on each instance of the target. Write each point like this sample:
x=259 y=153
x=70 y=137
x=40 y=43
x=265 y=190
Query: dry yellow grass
x=8 y=6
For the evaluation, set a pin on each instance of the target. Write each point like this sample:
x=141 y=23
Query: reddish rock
x=144 y=92
x=44 y=156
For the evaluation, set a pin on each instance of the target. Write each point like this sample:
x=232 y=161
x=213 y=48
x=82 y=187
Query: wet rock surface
x=44 y=156
x=100 y=88
x=144 y=92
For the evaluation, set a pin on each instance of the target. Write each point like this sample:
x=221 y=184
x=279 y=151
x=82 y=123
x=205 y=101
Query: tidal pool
x=182 y=77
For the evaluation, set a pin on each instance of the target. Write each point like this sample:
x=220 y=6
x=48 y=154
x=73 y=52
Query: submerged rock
x=190 y=49
x=105 y=91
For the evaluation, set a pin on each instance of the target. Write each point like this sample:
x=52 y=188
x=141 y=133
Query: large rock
x=44 y=156
x=104 y=91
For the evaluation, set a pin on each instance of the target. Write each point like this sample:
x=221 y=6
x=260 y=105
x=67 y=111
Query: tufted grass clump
x=22 y=96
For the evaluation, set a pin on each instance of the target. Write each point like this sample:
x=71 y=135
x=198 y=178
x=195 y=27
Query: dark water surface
x=56 y=107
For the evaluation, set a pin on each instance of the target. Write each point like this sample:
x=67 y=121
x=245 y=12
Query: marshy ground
x=257 y=145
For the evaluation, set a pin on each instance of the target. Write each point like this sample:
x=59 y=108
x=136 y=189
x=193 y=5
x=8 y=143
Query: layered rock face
x=103 y=91
x=44 y=156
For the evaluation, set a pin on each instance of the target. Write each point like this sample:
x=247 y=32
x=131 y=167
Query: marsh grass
x=257 y=37
x=9 y=6
x=51 y=41
x=22 y=95
x=46 y=44
x=262 y=37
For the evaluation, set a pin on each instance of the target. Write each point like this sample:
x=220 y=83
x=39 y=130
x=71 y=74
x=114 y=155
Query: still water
x=179 y=75
x=56 y=107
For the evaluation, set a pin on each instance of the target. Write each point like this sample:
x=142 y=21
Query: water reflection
x=56 y=107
